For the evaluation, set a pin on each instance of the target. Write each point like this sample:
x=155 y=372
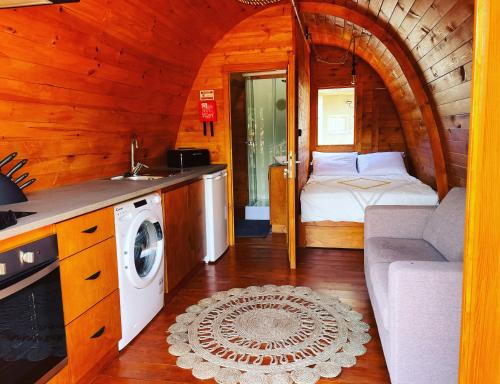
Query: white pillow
x=317 y=154
x=382 y=163
x=334 y=164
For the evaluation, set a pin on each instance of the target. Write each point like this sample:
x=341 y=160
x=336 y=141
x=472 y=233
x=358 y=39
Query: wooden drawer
x=88 y=277
x=91 y=336
x=84 y=231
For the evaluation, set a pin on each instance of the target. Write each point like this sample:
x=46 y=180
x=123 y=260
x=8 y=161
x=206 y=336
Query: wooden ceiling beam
x=410 y=69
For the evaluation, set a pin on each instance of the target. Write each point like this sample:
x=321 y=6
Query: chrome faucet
x=135 y=168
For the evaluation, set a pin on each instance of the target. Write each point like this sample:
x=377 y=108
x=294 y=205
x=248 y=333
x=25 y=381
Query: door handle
x=90 y=230
x=95 y=276
x=99 y=333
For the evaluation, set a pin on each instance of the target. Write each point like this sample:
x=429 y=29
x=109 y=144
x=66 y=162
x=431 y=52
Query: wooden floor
x=253 y=262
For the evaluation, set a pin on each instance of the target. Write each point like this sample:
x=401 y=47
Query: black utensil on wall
x=21 y=178
x=16 y=168
x=7 y=159
x=27 y=184
x=10 y=193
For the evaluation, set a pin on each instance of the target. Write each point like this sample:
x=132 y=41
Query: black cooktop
x=9 y=218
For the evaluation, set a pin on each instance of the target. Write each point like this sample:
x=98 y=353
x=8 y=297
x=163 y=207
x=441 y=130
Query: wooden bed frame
x=331 y=234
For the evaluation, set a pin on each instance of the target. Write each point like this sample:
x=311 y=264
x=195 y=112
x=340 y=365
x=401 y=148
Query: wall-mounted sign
x=207 y=109
x=207 y=94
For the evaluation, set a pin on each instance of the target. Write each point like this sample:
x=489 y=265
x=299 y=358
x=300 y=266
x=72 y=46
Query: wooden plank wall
x=303 y=67
x=77 y=81
x=239 y=140
x=378 y=125
x=265 y=37
x=480 y=347
x=438 y=33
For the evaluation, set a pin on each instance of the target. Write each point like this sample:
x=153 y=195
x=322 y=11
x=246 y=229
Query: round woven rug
x=268 y=335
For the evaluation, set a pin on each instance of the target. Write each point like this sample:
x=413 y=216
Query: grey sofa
x=413 y=269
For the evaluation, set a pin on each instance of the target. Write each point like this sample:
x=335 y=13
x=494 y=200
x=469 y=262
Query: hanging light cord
x=341 y=60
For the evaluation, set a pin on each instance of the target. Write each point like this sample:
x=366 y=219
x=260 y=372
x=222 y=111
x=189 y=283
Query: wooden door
x=291 y=158
x=480 y=345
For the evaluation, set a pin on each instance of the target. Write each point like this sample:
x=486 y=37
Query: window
x=336 y=116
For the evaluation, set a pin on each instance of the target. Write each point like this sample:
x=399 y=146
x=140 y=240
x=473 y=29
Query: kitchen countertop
x=63 y=203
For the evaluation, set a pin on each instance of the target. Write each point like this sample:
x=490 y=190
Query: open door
x=298 y=132
x=291 y=160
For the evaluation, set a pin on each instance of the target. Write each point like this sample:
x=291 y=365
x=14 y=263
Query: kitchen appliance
x=187 y=157
x=10 y=192
x=32 y=336
x=9 y=218
x=215 y=215
x=139 y=245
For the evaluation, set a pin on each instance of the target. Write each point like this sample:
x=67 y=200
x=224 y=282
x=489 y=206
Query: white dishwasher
x=215 y=214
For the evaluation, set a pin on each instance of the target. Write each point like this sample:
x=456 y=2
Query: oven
x=32 y=336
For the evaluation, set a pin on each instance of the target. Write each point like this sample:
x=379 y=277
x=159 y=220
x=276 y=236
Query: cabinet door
x=176 y=223
x=184 y=221
x=278 y=205
x=197 y=222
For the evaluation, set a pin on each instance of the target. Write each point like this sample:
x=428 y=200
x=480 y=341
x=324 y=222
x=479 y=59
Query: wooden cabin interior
x=249 y=191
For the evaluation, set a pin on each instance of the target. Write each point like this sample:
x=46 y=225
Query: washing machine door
x=144 y=253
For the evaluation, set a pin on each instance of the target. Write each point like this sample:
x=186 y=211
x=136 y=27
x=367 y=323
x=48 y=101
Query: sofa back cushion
x=445 y=229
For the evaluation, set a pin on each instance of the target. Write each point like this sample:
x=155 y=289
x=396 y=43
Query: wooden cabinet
x=184 y=222
x=89 y=276
x=85 y=231
x=92 y=335
x=89 y=280
x=277 y=198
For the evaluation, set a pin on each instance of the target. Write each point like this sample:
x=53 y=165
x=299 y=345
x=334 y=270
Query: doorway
x=258 y=126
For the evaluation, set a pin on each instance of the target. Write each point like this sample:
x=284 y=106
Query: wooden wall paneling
x=303 y=57
x=243 y=46
x=432 y=32
x=402 y=98
x=481 y=291
x=73 y=93
x=377 y=121
x=239 y=144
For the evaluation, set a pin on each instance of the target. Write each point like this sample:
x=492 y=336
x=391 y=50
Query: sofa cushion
x=445 y=229
x=379 y=276
x=387 y=250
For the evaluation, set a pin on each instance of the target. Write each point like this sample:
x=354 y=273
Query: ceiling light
x=258 y=2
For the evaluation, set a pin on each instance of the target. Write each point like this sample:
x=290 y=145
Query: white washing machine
x=139 y=245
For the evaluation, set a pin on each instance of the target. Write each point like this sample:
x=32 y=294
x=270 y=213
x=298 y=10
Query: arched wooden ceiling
x=96 y=72
x=437 y=37
x=336 y=31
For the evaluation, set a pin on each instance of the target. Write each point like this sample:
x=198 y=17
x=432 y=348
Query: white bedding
x=341 y=198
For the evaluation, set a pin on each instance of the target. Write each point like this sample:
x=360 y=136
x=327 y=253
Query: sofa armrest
x=425 y=299
x=397 y=221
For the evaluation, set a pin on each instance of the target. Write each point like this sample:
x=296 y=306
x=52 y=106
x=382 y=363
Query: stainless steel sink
x=138 y=178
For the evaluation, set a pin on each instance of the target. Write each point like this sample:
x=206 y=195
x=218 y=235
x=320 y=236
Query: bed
x=334 y=199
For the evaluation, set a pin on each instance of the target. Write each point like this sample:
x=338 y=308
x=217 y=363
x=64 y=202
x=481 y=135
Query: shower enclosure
x=266 y=138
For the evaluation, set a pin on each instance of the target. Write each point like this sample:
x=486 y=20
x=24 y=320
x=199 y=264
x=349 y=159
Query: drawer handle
x=99 y=333
x=95 y=276
x=90 y=230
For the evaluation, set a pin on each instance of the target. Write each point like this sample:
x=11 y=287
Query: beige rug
x=268 y=335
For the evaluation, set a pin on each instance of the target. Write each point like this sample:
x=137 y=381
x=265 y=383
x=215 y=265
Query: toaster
x=187 y=157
